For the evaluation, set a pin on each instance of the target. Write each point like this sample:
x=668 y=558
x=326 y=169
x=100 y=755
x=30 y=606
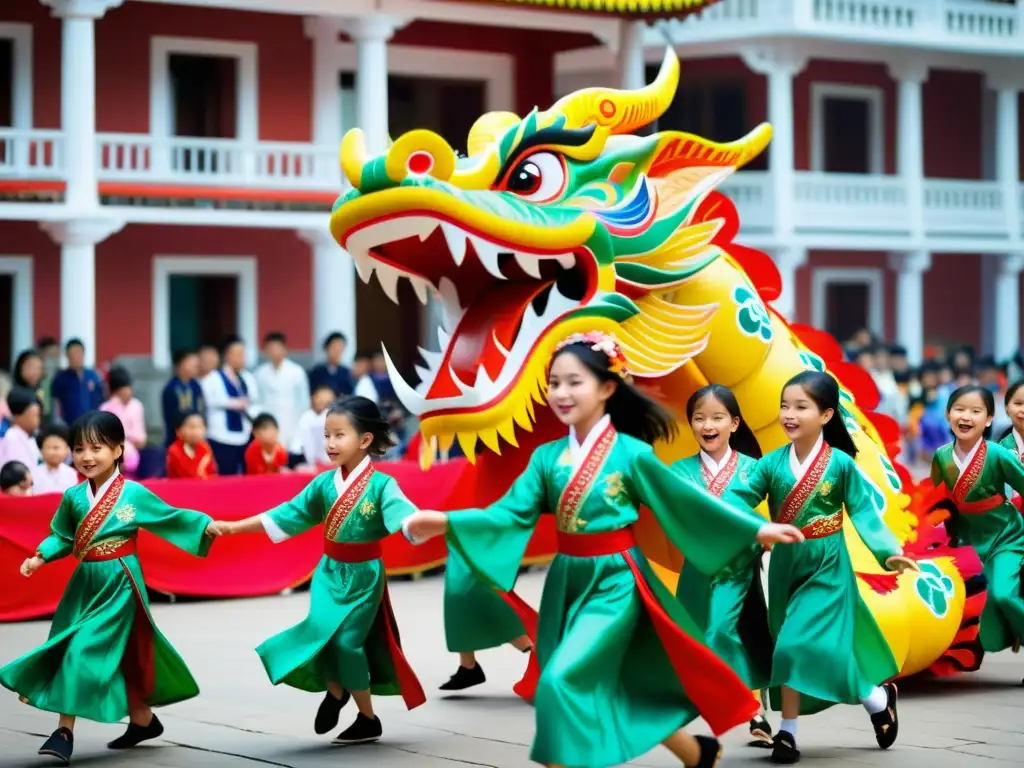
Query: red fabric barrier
x=238 y=566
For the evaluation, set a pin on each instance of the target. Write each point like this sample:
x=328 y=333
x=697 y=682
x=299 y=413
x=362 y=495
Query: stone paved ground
x=241 y=719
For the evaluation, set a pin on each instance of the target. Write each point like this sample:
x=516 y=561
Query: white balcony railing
x=850 y=202
x=35 y=155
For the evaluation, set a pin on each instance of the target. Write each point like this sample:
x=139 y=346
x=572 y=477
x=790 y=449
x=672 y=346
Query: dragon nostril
x=419 y=163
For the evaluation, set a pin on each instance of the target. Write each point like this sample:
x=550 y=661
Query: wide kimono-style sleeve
x=394 y=506
x=865 y=518
x=298 y=515
x=1011 y=468
x=493 y=540
x=754 y=489
x=62 y=533
x=184 y=528
x=937 y=479
x=708 y=531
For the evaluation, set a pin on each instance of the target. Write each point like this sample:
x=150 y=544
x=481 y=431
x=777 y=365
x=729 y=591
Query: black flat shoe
x=784 y=749
x=887 y=722
x=760 y=733
x=465 y=677
x=363 y=731
x=710 y=752
x=136 y=734
x=60 y=745
x=327 y=715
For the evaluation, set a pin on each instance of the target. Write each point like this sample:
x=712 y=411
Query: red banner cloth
x=238 y=566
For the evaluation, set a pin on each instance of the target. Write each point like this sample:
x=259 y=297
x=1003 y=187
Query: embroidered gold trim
x=824 y=526
x=102 y=548
x=343 y=507
x=716 y=485
x=580 y=484
x=93 y=521
x=971 y=475
x=367 y=508
x=803 y=490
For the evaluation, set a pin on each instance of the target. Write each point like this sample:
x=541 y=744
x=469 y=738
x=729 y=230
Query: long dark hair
x=742 y=439
x=824 y=391
x=1006 y=404
x=19 y=378
x=986 y=397
x=98 y=427
x=631 y=411
x=365 y=417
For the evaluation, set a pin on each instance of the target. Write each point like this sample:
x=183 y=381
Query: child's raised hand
x=31 y=565
x=774 y=533
x=426 y=524
x=901 y=564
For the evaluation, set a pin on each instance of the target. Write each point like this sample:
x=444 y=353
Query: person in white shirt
x=309 y=435
x=232 y=400
x=284 y=387
x=53 y=475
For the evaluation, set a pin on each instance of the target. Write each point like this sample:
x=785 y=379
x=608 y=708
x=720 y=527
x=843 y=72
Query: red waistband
x=823 y=526
x=595 y=544
x=109 y=550
x=982 y=505
x=348 y=552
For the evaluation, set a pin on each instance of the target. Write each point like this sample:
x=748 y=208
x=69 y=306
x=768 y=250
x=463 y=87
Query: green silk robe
x=475 y=616
x=104 y=647
x=997 y=534
x=344 y=638
x=610 y=689
x=828 y=646
x=716 y=603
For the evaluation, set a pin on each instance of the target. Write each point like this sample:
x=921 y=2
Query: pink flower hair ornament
x=601 y=342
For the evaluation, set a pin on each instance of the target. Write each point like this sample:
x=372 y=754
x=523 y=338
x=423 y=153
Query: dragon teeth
x=388 y=277
x=566 y=260
x=456 y=240
x=487 y=252
x=420 y=286
x=411 y=399
x=529 y=264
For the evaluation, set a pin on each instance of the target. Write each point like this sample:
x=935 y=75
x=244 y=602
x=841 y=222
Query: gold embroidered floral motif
x=367 y=508
x=824 y=526
x=565 y=460
x=717 y=484
x=103 y=548
x=95 y=519
x=826 y=488
x=613 y=486
x=125 y=513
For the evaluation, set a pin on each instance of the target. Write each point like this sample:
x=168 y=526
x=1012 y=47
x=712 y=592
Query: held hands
x=426 y=524
x=31 y=565
x=774 y=533
x=219 y=528
x=901 y=564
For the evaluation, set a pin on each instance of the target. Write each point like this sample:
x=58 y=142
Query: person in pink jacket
x=129 y=410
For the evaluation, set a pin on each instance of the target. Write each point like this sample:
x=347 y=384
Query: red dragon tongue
x=495 y=315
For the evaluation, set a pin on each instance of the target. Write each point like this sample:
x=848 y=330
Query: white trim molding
x=872 y=277
x=22 y=306
x=875 y=98
x=161 y=102
x=20 y=36
x=241 y=267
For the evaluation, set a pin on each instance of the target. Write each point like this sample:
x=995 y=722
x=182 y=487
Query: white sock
x=877 y=701
x=789 y=726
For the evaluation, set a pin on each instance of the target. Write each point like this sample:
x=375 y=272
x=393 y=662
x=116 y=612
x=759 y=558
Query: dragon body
x=565 y=221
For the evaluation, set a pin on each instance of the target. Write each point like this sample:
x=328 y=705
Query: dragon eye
x=538 y=177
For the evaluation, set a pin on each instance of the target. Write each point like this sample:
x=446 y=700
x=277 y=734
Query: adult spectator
x=19 y=442
x=49 y=350
x=182 y=394
x=30 y=373
x=209 y=360
x=283 y=385
x=231 y=395
x=123 y=404
x=376 y=384
x=76 y=389
x=332 y=373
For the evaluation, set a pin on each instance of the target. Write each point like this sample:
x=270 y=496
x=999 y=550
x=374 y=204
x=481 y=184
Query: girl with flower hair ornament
x=622 y=666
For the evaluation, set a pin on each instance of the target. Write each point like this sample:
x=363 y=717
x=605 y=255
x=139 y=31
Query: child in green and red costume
x=348 y=646
x=828 y=648
x=105 y=607
x=976 y=473
x=622 y=666
x=1013 y=439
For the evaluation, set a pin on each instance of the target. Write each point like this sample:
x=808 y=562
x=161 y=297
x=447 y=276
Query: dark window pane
x=846 y=308
x=847 y=139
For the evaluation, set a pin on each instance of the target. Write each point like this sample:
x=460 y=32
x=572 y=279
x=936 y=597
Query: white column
x=371 y=35
x=1008 y=150
x=326 y=95
x=780 y=66
x=77 y=239
x=788 y=261
x=632 y=69
x=78 y=97
x=911 y=75
x=910 y=268
x=334 y=288
x=1006 y=306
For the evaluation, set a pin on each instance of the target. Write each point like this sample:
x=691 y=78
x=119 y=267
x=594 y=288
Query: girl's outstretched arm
x=286 y=520
x=869 y=523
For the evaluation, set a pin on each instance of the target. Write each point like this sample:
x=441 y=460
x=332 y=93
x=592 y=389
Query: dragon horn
x=621 y=112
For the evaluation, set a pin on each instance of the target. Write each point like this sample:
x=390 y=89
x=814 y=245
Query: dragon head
x=554 y=223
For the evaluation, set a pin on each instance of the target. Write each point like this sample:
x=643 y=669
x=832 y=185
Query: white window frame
x=875 y=98
x=21 y=37
x=243 y=268
x=872 y=277
x=23 y=307
x=161 y=103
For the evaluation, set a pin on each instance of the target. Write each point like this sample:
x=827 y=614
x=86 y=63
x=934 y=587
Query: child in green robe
x=623 y=667
x=1013 y=439
x=730 y=606
x=828 y=647
x=348 y=645
x=105 y=659
x=976 y=473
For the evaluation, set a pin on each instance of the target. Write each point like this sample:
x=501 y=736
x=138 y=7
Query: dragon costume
x=564 y=221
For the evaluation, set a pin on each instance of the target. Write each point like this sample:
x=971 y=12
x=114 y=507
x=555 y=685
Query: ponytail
x=824 y=391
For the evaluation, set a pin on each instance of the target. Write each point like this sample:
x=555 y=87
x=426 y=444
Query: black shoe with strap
x=465 y=677
x=60 y=745
x=136 y=734
x=710 y=752
x=887 y=722
x=329 y=711
x=760 y=733
x=363 y=731
x=784 y=749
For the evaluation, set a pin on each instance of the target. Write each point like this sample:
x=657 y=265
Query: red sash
x=968 y=478
x=346 y=502
x=716 y=485
x=96 y=517
x=804 y=489
x=576 y=492
x=351 y=552
x=111 y=549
